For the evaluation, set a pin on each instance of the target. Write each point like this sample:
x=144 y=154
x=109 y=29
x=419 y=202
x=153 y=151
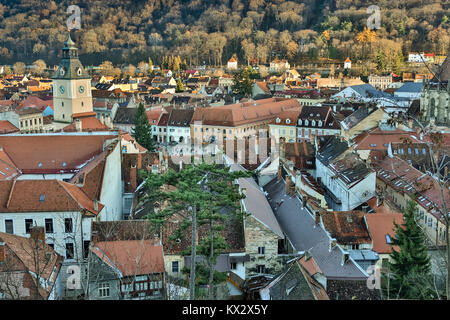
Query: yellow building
x=237 y=120
x=284 y=126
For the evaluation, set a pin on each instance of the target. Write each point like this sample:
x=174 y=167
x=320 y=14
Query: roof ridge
x=10 y=193
x=65 y=184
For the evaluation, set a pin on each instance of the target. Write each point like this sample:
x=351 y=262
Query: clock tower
x=71 y=86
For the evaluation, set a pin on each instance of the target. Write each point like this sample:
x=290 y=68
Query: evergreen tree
x=409 y=272
x=142 y=130
x=380 y=60
x=180 y=87
x=199 y=192
x=242 y=84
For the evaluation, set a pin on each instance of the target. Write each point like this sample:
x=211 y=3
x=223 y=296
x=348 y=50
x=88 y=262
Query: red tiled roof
x=348 y=227
x=244 y=113
x=8 y=169
x=7 y=127
x=131 y=257
x=88 y=123
x=34 y=257
x=381 y=224
x=57 y=196
x=52 y=151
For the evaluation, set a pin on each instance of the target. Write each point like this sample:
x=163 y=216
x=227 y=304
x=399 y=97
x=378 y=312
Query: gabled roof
x=57 y=196
x=380 y=225
x=89 y=123
x=347 y=227
x=299 y=225
x=180 y=117
x=36 y=257
x=295 y=283
x=243 y=113
x=444 y=71
x=131 y=257
x=332 y=149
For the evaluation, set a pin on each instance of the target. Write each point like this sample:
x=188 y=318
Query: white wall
x=111 y=194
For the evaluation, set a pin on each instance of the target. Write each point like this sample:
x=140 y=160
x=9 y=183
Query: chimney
x=139 y=161
x=307 y=255
x=279 y=175
x=108 y=122
x=78 y=125
x=2 y=252
x=332 y=243
x=133 y=177
x=37 y=233
x=317 y=217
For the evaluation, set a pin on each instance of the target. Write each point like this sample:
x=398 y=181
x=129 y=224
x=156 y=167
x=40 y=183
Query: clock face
x=62 y=89
x=81 y=89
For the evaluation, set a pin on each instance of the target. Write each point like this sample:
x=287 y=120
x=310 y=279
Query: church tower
x=71 y=86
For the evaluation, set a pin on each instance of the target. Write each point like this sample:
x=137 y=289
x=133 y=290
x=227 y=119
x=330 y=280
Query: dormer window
x=62 y=71
x=313 y=123
x=288 y=121
x=79 y=71
x=278 y=120
x=40 y=165
x=299 y=122
x=320 y=123
x=306 y=122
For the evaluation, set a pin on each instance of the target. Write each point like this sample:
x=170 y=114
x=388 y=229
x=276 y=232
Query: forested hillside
x=128 y=31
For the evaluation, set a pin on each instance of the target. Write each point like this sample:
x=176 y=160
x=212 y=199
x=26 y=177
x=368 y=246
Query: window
x=48 y=225
x=86 y=244
x=103 y=289
x=69 y=251
x=175 y=267
x=260 y=250
x=355 y=246
x=9 y=226
x=68 y=225
x=260 y=268
x=373 y=144
x=21 y=124
x=28 y=225
x=42 y=197
x=233 y=265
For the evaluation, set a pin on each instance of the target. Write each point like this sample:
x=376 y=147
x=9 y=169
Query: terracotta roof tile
x=131 y=257
x=380 y=225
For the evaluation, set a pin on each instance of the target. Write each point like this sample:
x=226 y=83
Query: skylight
x=388 y=239
x=42 y=197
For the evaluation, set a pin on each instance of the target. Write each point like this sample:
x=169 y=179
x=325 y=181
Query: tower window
x=62 y=104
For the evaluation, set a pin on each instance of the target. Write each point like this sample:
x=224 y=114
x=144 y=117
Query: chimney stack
x=307 y=255
x=78 y=125
x=332 y=244
x=108 y=122
x=317 y=217
x=37 y=233
x=133 y=177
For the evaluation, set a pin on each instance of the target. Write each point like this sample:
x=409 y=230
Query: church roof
x=444 y=71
